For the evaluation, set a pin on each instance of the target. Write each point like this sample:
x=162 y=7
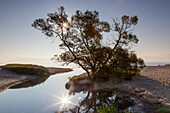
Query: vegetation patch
x=27 y=69
x=110 y=109
x=80 y=77
x=163 y=110
x=107 y=74
x=167 y=65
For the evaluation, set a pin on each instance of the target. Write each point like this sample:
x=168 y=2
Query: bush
x=27 y=69
x=111 y=74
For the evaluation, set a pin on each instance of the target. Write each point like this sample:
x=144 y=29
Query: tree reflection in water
x=103 y=101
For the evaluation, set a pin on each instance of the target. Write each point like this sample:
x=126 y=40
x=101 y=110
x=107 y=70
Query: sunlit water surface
x=49 y=96
x=41 y=98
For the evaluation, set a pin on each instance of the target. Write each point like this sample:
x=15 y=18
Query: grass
x=79 y=77
x=27 y=69
x=163 y=110
x=110 y=109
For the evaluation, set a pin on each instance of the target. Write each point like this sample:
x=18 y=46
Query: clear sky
x=19 y=41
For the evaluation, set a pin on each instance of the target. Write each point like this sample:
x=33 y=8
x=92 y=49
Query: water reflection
x=94 y=101
x=30 y=83
x=102 y=101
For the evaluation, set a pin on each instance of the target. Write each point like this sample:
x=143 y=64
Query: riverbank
x=9 y=79
x=151 y=88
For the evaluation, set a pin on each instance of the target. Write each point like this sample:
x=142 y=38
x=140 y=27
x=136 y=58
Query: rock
x=78 y=86
x=67 y=85
x=140 y=94
x=139 y=90
x=160 y=101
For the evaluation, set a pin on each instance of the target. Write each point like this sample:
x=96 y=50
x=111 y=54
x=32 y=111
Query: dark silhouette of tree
x=82 y=37
x=79 y=36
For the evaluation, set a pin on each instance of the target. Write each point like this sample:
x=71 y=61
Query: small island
x=12 y=74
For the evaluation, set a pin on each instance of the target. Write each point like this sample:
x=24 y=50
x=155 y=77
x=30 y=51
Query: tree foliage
x=82 y=37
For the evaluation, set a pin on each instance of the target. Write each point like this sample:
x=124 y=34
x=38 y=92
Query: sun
x=65 y=25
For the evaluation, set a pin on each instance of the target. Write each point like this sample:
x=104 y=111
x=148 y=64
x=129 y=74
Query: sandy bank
x=54 y=70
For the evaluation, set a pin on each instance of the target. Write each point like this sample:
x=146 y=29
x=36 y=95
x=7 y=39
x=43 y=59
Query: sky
x=20 y=42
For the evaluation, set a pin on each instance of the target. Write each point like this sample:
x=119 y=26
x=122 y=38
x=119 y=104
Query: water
x=40 y=98
x=103 y=101
x=46 y=96
x=156 y=64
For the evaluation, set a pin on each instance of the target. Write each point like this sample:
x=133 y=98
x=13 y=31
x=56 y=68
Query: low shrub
x=108 y=74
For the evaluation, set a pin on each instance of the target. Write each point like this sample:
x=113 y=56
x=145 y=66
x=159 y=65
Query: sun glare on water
x=64 y=101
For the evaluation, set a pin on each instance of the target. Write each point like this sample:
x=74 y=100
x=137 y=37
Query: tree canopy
x=82 y=36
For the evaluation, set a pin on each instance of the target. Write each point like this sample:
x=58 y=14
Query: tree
x=82 y=37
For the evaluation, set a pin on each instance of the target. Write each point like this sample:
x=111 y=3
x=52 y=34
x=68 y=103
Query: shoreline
x=150 y=89
x=153 y=80
x=9 y=79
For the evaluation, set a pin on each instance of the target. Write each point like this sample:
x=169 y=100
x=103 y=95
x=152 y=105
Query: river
x=48 y=95
x=41 y=98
